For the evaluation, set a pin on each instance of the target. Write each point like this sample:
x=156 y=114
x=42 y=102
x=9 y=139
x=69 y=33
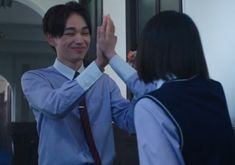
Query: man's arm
x=57 y=102
x=106 y=40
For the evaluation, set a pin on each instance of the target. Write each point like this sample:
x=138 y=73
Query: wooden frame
x=131 y=24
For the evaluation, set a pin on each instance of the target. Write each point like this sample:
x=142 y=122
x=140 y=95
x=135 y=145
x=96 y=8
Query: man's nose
x=78 y=38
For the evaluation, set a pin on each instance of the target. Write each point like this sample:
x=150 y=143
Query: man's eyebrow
x=74 y=29
x=69 y=28
x=85 y=28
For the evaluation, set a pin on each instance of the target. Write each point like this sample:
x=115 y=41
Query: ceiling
x=21 y=31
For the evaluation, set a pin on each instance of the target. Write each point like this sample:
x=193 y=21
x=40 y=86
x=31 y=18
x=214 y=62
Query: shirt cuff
x=89 y=76
x=122 y=68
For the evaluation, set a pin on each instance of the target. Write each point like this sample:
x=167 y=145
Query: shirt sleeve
x=88 y=77
x=158 y=141
x=124 y=70
x=131 y=78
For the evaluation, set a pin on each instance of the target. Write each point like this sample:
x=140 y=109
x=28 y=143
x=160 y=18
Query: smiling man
x=59 y=99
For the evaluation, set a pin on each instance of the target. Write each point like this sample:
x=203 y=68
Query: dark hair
x=170 y=44
x=56 y=17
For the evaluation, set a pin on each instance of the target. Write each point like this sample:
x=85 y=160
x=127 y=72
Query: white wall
x=215 y=20
x=116 y=9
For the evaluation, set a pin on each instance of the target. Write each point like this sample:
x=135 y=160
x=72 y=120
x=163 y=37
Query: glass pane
x=5 y=122
x=170 y=5
x=146 y=10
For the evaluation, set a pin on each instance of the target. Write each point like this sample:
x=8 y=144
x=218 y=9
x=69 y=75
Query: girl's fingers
x=105 y=21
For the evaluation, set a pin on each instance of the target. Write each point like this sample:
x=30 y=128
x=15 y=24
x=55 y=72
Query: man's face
x=73 y=45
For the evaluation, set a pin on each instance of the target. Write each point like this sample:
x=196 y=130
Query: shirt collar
x=65 y=70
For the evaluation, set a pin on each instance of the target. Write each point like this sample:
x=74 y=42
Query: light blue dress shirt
x=54 y=96
x=158 y=140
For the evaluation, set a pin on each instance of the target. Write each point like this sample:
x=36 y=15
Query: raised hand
x=101 y=60
x=106 y=39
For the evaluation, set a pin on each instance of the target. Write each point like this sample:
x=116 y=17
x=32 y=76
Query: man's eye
x=85 y=33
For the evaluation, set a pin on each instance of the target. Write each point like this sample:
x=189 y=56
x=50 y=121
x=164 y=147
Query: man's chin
x=80 y=58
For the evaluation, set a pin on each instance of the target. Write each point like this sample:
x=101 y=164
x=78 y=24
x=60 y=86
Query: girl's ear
x=50 y=40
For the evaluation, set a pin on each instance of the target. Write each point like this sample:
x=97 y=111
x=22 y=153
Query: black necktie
x=87 y=129
x=75 y=75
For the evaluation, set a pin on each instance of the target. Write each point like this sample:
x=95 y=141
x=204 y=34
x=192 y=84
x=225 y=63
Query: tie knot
x=75 y=75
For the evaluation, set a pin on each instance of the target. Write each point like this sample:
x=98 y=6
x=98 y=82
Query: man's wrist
x=100 y=65
x=111 y=55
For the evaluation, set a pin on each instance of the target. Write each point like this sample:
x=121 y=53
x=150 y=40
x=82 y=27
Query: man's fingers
x=110 y=26
x=101 y=32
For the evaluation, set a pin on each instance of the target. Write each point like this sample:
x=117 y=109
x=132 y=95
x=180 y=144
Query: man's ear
x=50 y=40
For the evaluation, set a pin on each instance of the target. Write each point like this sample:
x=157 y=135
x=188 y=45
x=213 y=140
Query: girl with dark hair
x=185 y=119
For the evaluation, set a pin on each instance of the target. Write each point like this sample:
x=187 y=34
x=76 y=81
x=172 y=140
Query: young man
x=54 y=95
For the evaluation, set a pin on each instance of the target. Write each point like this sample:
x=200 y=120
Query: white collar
x=65 y=70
